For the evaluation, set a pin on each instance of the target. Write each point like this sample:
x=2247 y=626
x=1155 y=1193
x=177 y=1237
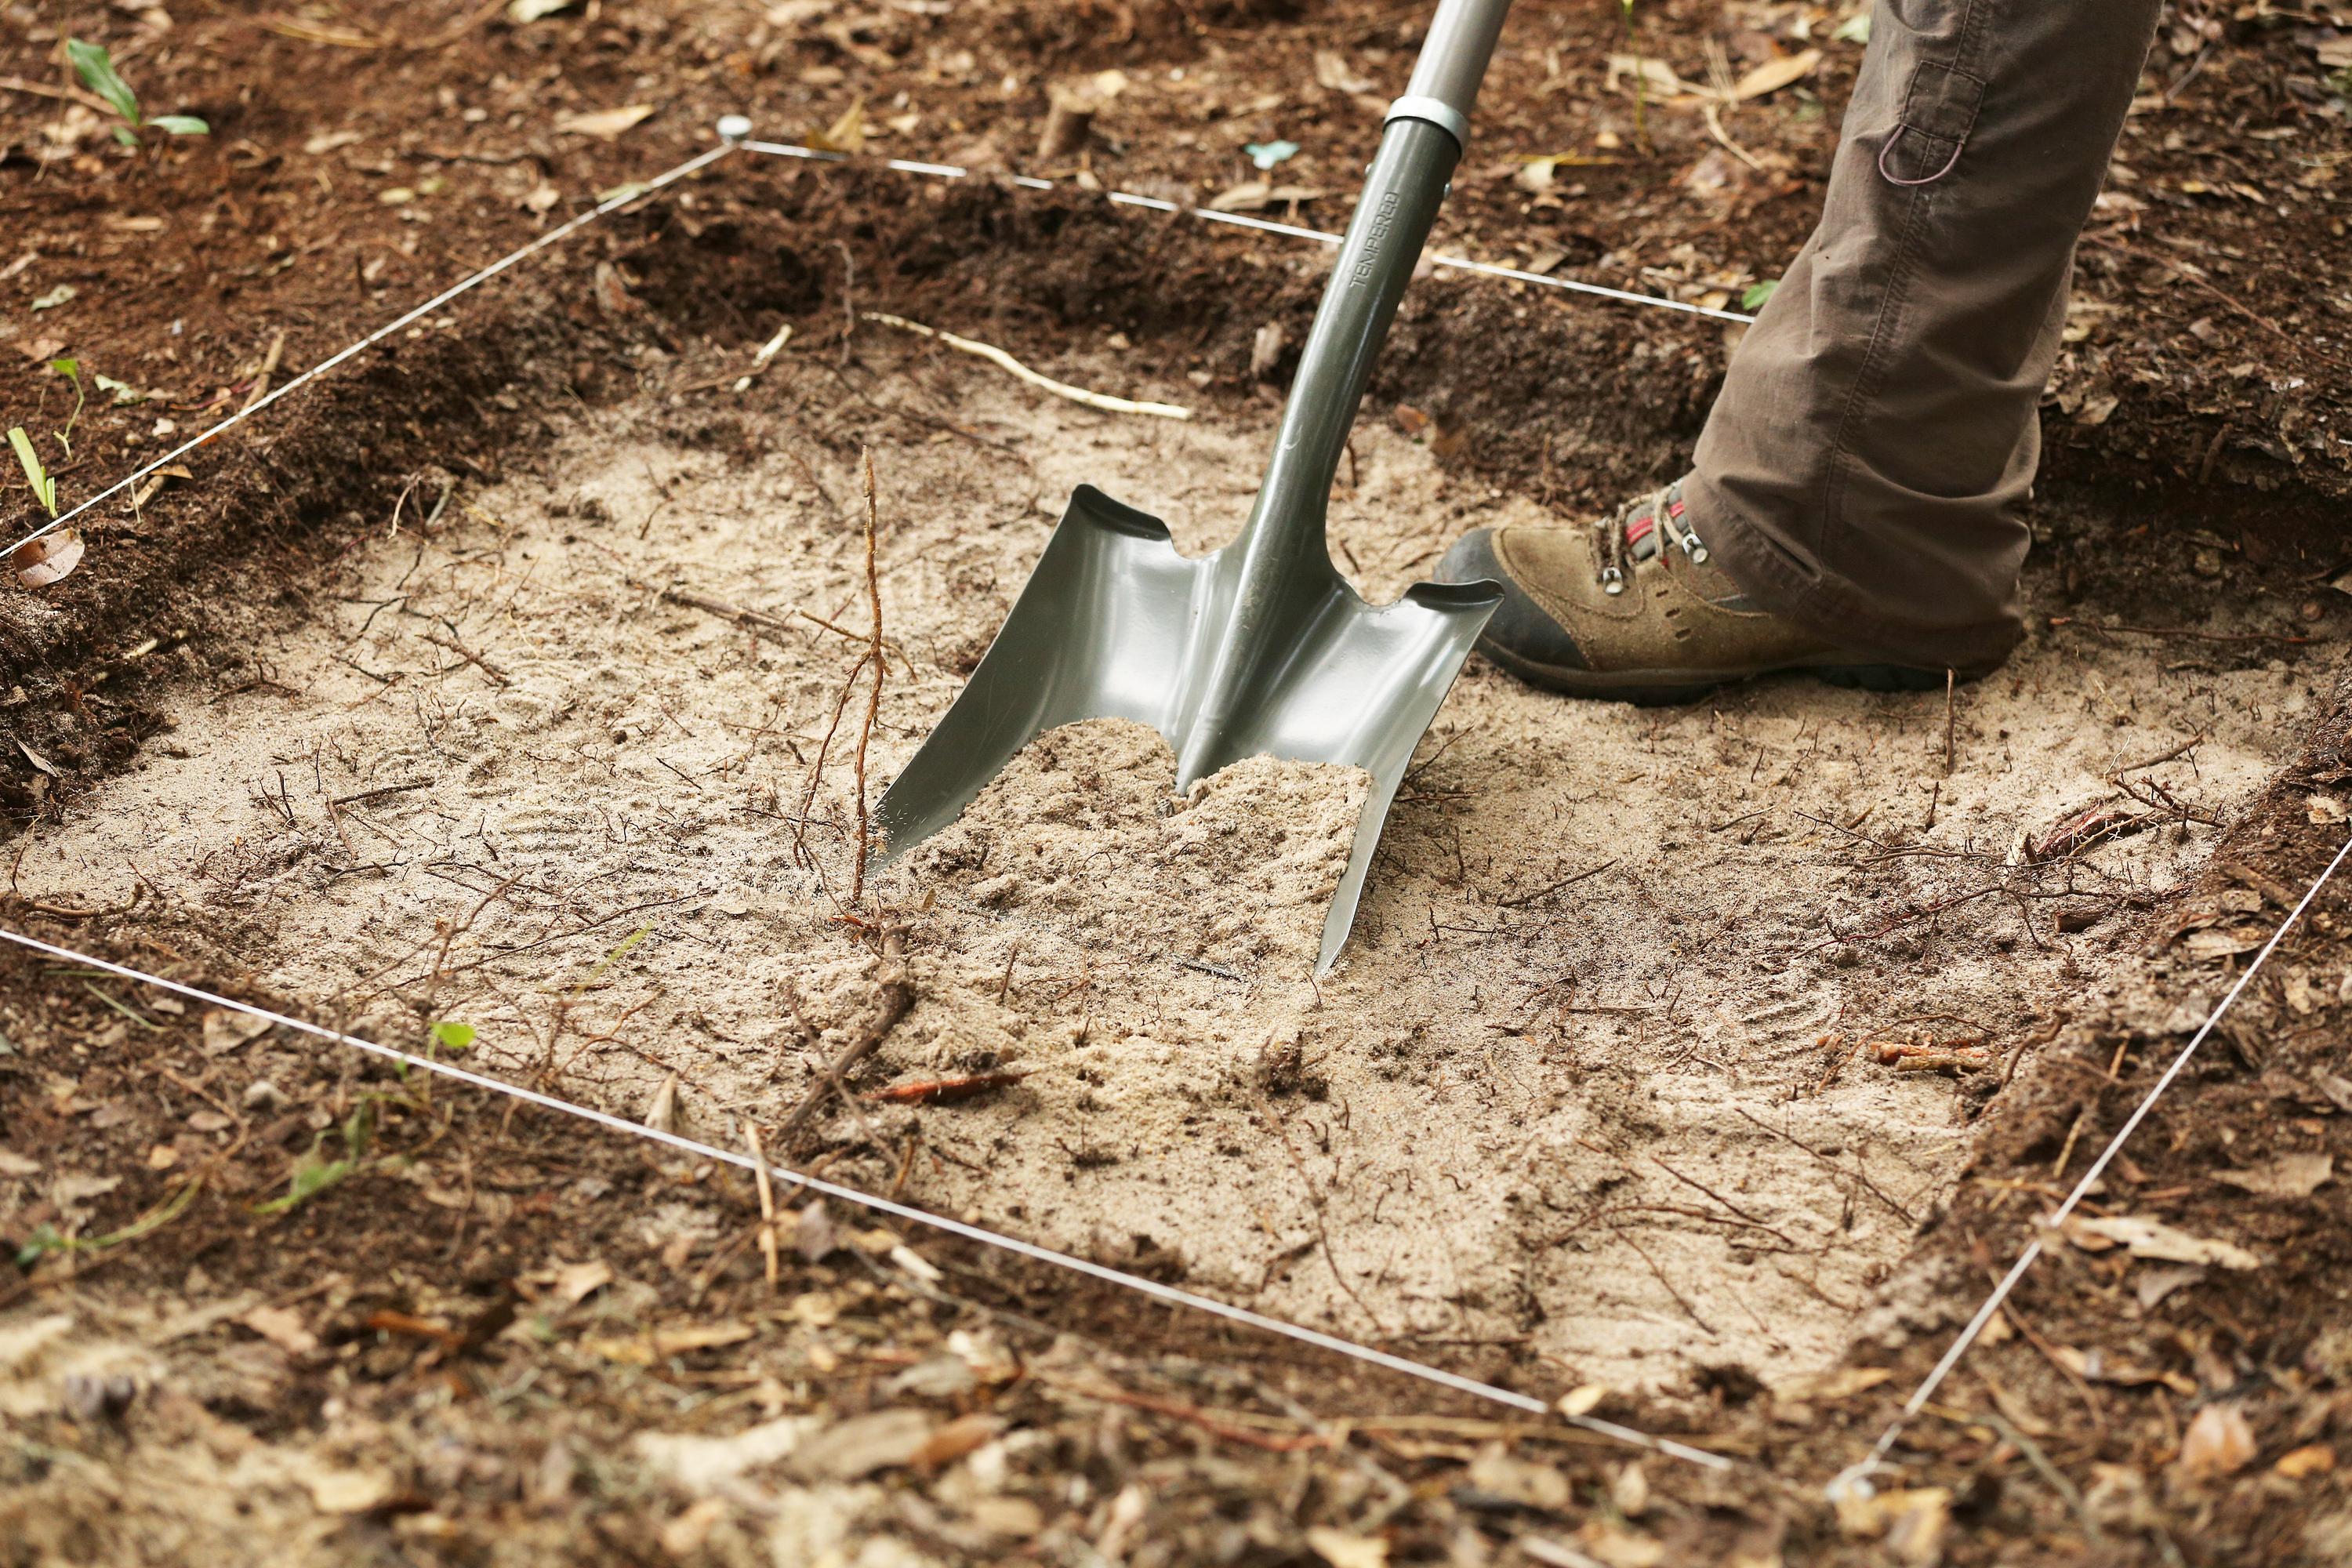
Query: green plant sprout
x=45 y=484
x=1756 y=294
x=96 y=69
x=315 y=1174
x=1640 y=88
x=71 y=370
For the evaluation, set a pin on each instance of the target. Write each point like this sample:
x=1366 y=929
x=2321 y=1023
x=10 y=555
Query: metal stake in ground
x=1262 y=647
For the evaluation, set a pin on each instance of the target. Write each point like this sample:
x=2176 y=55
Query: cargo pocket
x=1938 y=110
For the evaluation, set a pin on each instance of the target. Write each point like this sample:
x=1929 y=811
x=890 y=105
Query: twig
x=1951 y=681
x=1003 y=361
x=468 y=655
x=381 y=791
x=2187 y=632
x=897 y=995
x=1906 y=1214
x=1565 y=882
x=767 y=1197
x=1680 y=1300
x=63 y=94
x=1315 y=1209
x=874 y=699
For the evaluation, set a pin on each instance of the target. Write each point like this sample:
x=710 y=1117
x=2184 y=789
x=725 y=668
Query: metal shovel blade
x=1115 y=624
x=1262 y=647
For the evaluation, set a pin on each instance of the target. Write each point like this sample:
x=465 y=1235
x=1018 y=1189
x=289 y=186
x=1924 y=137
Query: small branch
x=874 y=659
x=1003 y=361
x=897 y=995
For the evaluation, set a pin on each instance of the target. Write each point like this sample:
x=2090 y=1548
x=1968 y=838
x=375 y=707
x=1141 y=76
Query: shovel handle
x=1445 y=85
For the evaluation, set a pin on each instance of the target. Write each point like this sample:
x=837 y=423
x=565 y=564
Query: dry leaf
x=1583 y=1399
x=1775 y=74
x=1655 y=77
x=576 y=1283
x=879 y=1440
x=846 y=135
x=660 y=1344
x=226 y=1031
x=1631 y=1491
x=2288 y=1176
x=953 y=1441
x=326 y=141
x=1839 y=1382
x=1343 y=1550
x=603 y=123
x=2323 y=808
x=527 y=11
x=2312 y=1459
x=48 y=559
x=2218 y=1443
x=1256 y=195
x=352 y=1491
x=1332 y=70
x=2152 y=1239
x=282 y=1327
x=2098 y=1366
x=41 y=763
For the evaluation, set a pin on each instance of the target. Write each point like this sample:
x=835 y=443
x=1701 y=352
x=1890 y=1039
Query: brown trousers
x=1862 y=470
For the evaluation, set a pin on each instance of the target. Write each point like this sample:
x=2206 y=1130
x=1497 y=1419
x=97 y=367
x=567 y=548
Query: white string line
x=1239 y=220
x=619 y=199
x=1167 y=1293
x=1857 y=1474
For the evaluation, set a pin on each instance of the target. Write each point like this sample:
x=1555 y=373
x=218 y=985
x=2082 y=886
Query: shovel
x=1262 y=647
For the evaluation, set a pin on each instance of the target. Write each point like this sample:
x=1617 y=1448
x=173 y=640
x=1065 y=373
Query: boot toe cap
x=1520 y=634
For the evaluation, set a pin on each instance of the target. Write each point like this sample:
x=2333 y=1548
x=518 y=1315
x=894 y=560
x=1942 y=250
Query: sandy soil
x=1599 y=1075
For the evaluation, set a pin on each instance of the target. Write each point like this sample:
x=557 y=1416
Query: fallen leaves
x=1256 y=195
x=2288 y=1176
x=2152 y=1239
x=659 y=1345
x=604 y=125
x=282 y=1327
x=2218 y=1443
x=49 y=559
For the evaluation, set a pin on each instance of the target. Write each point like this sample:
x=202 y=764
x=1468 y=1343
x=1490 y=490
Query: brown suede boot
x=1631 y=607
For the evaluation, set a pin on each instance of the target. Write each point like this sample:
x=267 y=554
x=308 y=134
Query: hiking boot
x=1633 y=608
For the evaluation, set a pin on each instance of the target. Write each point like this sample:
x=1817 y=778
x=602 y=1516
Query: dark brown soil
x=2204 y=407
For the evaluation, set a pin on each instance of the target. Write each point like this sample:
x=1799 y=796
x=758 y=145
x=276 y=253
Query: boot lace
x=1640 y=530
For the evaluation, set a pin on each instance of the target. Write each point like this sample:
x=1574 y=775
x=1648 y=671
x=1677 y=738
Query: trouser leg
x=1862 y=469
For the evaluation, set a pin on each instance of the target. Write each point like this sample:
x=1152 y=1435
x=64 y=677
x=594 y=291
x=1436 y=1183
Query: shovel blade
x=1115 y=623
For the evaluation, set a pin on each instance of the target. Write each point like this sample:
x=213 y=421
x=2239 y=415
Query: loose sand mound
x=1599 y=1079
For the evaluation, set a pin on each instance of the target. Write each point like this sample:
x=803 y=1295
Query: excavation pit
x=1661 y=1034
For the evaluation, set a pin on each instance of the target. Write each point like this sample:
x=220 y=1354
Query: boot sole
x=1670 y=689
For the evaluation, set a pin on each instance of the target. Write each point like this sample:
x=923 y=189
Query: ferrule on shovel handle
x=1445 y=85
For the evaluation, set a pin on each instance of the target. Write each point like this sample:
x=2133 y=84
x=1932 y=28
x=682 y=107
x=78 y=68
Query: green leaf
x=358 y=1128
x=45 y=487
x=453 y=1037
x=1758 y=293
x=96 y=69
x=310 y=1178
x=181 y=125
x=43 y=1240
x=68 y=368
x=1854 y=30
x=128 y=137
x=122 y=391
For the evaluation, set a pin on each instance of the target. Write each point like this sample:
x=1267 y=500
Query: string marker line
x=1854 y=1479
x=612 y=203
x=1169 y=1294
x=1241 y=220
